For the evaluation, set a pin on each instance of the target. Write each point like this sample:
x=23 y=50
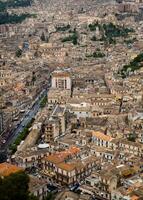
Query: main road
x=25 y=120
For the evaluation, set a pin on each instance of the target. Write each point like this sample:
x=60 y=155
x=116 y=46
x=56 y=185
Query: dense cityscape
x=71 y=100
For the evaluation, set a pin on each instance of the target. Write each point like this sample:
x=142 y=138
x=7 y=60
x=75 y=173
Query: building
x=61 y=88
x=51 y=130
x=32 y=138
x=56 y=124
x=7 y=169
x=73 y=172
x=58 y=96
x=61 y=80
x=100 y=139
x=30 y=158
x=38 y=187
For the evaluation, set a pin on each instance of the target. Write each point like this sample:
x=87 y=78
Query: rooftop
x=101 y=136
x=6 y=169
x=61 y=156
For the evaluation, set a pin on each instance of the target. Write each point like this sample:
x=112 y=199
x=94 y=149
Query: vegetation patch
x=6 y=18
x=14 y=4
x=21 y=137
x=109 y=32
x=63 y=28
x=134 y=65
x=71 y=38
x=130 y=41
x=112 y=30
x=96 y=54
x=43 y=102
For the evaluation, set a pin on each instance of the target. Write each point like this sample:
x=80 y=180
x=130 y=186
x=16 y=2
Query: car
x=51 y=188
x=3 y=141
x=27 y=114
x=16 y=126
x=18 y=123
x=82 y=182
x=59 y=190
x=21 y=119
x=74 y=187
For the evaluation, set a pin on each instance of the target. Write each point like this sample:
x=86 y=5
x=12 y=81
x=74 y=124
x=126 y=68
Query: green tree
x=50 y=196
x=47 y=39
x=72 y=38
x=32 y=197
x=18 y=52
x=43 y=38
x=94 y=38
x=43 y=102
x=21 y=136
x=63 y=28
x=15 y=187
x=132 y=137
x=6 y=18
x=134 y=65
x=14 y=4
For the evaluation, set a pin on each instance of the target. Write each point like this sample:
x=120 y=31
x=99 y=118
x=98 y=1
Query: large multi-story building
x=56 y=125
x=61 y=80
x=60 y=91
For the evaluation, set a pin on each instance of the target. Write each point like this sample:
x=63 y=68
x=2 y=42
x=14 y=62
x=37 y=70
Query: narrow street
x=26 y=119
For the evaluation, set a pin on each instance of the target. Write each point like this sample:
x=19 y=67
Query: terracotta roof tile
x=6 y=169
x=66 y=166
x=102 y=136
x=61 y=156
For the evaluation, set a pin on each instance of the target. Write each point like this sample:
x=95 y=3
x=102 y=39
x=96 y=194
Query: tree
x=132 y=137
x=15 y=187
x=43 y=38
x=43 y=102
x=32 y=197
x=6 y=18
x=18 y=52
x=50 y=196
x=21 y=137
x=47 y=39
x=94 y=38
x=33 y=78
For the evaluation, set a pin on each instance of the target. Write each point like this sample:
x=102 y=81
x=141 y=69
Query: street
x=26 y=119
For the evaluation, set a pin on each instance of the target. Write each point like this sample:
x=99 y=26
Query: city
x=71 y=100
